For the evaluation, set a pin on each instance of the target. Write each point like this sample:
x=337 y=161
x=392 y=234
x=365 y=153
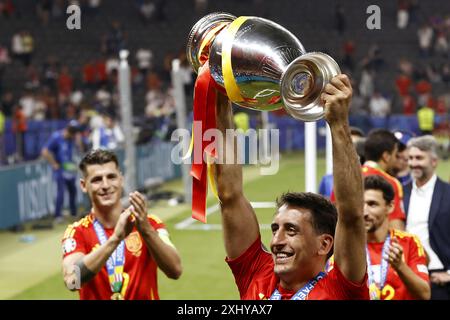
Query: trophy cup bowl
x=261 y=65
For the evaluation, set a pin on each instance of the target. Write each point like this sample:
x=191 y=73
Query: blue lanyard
x=303 y=292
x=384 y=265
x=115 y=263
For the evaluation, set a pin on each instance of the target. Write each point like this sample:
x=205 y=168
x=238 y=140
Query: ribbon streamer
x=205 y=114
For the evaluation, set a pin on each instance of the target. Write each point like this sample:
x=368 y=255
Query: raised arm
x=350 y=237
x=240 y=226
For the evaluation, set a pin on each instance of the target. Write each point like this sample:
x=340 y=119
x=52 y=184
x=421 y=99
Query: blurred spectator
x=108 y=135
x=144 y=60
x=423 y=90
x=441 y=45
x=445 y=75
x=58 y=8
x=186 y=73
x=4 y=61
x=28 y=47
x=340 y=21
x=2 y=137
x=32 y=79
x=154 y=97
x=408 y=105
x=19 y=128
x=103 y=98
x=115 y=39
x=40 y=110
x=348 y=59
x=160 y=10
x=432 y=74
x=17 y=47
x=60 y=151
x=425 y=35
x=402 y=14
x=366 y=85
x=425 y=118
x=7 y=104
x=112 y=64
x=101 y=75
x=7 y=8
x=28 y=104
x=65 y=82
x=50 y=73
x=146 y=10
x=43 y=9
x=89 y=78
x=358 y=104
x=403 y=84
x=379 y=106
x=93 y=6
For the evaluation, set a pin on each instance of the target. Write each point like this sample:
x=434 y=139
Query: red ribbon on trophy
x=205 y=115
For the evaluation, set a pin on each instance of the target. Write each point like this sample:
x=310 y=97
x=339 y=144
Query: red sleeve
x=250 y=264
x=399 y=212
x=73 y=241
x=344 y=289
x=156 y=222
x=416 y=259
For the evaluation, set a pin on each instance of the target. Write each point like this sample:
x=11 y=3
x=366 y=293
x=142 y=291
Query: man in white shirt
x=427 y=206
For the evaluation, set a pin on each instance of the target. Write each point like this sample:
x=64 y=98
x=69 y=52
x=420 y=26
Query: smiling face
x=103 y=184
x=422 y=164
x=376 y=209
x=296 y=247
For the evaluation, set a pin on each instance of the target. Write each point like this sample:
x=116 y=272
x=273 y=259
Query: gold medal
x=117 y=296
x=374 y=292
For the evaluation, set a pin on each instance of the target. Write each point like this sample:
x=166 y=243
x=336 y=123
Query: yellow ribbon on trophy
x=210 y=168
x=233 y=92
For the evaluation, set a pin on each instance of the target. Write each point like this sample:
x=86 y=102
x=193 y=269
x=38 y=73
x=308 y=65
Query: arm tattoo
x=85 y=274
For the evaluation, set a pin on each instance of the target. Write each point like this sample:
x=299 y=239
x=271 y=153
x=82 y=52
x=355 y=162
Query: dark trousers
x=62 y=183
x=440 y=292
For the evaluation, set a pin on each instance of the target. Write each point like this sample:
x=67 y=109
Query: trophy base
x=303 y=82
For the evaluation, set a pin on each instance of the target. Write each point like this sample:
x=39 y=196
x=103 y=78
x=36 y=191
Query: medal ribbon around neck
x=384 y=266
x=302 y=293
x=115 y=263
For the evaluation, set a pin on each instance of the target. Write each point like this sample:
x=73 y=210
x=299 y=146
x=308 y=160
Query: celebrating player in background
x=380 y=150
x=306 y=226
x=396 y=259
x=114 y=253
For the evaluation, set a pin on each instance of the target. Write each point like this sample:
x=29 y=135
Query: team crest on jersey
x=69 y=245
x=134 y=243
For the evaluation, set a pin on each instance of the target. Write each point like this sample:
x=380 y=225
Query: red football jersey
x=256 y=280
x=399 y=212
x=414 y=257
x=140 y=270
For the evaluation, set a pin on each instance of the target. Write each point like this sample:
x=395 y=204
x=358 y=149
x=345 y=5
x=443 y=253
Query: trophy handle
x=303 y=82
x=203 y=34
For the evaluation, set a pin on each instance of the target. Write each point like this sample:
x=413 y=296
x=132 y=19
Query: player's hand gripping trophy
x=261 y=65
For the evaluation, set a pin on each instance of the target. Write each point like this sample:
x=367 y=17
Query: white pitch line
x=186 y=223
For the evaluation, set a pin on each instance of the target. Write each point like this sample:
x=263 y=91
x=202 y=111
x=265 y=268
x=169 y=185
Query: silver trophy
x=261 y=65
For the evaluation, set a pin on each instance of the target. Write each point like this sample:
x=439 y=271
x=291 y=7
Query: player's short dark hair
x=97 y=156
x=377 y=142
x=375 y=182
x=323 y=212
